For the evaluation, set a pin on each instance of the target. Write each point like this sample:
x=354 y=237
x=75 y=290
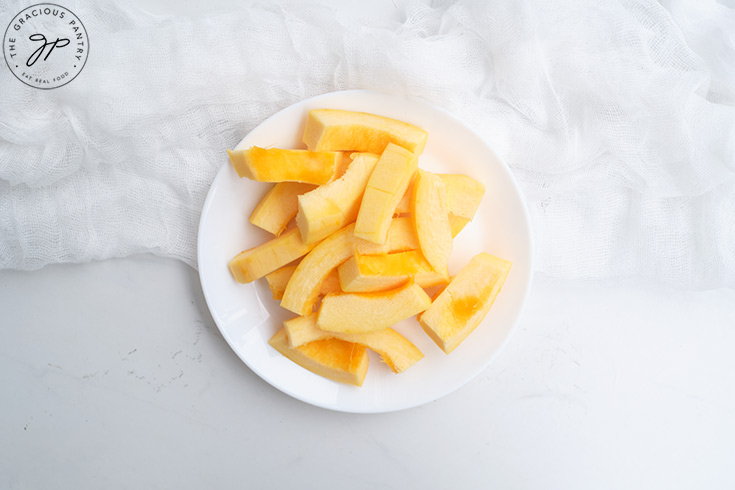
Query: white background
x=113 y=375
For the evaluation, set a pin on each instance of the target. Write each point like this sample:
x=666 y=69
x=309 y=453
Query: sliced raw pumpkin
x=394 y=349
x=279 y=206
x=401 y=236
x=339 y=130
x=385 y=188
x=369 y=312
x=279 y=165
x=335 y=359
x=256 y=262
x=431 y=219
x=365 y=273
x=465 y=302
x=303 y=288
x=464 y=195
x=329 y=207
x=278 y=279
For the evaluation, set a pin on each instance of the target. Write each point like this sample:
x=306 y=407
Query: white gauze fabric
x=617 y=118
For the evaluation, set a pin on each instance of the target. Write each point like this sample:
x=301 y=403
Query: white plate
x=247 y=316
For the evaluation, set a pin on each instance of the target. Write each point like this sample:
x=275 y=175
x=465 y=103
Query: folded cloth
x=617 y=118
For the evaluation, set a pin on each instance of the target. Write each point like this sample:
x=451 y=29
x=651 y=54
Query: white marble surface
x=113 y=375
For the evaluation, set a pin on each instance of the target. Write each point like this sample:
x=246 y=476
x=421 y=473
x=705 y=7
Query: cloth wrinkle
x=617 y=119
